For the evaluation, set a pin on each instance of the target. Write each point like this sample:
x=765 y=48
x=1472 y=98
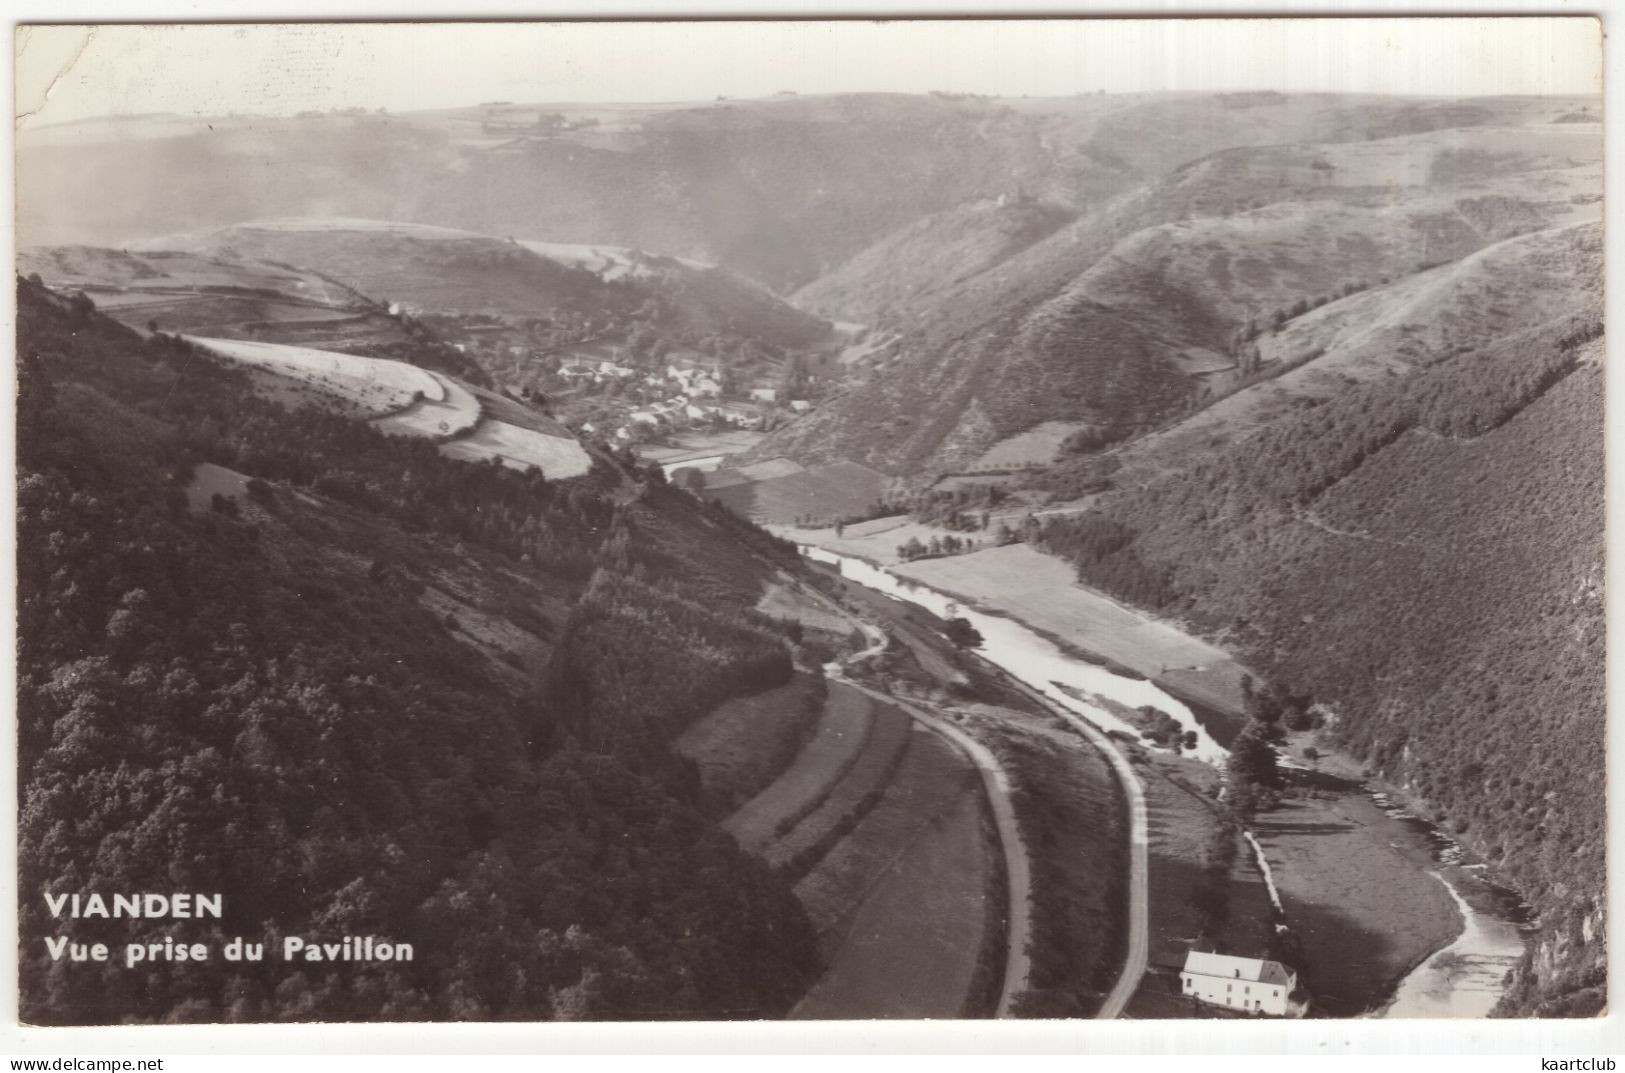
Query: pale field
x=209 y=480
x=690 y=445
x=1041 y=591
x=876 y=540
x=151 y=276
x=121 y=301
x=782 y=601
x=771 y=468
x=520 y=448
x=292 y=315
x=453 y=413
x=374 y=385
x=605 y=262
x=354 y=223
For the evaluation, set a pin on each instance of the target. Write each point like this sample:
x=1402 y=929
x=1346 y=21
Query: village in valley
x=635 y=382
x=640 y=407
x=850 y=556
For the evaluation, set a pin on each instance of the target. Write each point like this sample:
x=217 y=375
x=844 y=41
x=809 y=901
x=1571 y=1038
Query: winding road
x=1018 y=870
x=995 y=784
x=1139 y=943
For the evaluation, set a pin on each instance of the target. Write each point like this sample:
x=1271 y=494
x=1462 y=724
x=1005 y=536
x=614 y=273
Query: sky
x=71 y=73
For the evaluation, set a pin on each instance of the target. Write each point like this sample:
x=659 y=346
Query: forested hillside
x=1424 y=557
x=267 y=697
x=1160 y=300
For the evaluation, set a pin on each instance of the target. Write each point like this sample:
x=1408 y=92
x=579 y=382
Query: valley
x=830 y=557
x=1362 y=900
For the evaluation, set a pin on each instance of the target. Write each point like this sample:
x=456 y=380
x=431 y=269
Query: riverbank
x=1466 y=978
x=1036 y=661
x=1357 y=890
x=1068 y=805
x=1361 y=902
x=1041 y=592
x=1465 y=974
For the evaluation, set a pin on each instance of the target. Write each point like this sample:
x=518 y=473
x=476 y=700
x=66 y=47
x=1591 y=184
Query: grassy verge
x=1070 y=812
x=982 y=997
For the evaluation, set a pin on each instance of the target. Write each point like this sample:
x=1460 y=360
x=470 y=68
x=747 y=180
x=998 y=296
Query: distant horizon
x=566 y=105
x=67 y=74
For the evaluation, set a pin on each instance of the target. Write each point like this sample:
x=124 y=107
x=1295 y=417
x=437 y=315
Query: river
x=1034 y=659
x=1466 y=978
x=1463 y=979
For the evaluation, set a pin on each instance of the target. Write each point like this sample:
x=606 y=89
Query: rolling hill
x=1318 y=376
x=431 y=270
x=930 y=255
x=1382 y=332
x=1143 y=308
x=230 y=297
x=781 y=190
x=777 y=189
x=359 y=688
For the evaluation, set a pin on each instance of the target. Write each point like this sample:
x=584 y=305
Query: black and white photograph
x=717 y=521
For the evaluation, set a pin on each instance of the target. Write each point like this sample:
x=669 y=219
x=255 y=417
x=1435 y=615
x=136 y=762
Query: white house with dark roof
x=1251 y=985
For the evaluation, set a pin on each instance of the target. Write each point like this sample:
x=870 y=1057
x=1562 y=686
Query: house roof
x=1229 y=967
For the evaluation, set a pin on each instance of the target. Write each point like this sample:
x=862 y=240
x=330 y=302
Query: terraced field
x=404 y=400
x=911 y=945
x=834 y=747
x=901 y=903
x=372 y=385
x=882 y=821
x=557 y=457
x=454 y=412
x=858 y=789
x=745 y=744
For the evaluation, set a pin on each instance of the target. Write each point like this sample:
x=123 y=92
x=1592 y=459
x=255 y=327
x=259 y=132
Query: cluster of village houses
x=695 y=400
